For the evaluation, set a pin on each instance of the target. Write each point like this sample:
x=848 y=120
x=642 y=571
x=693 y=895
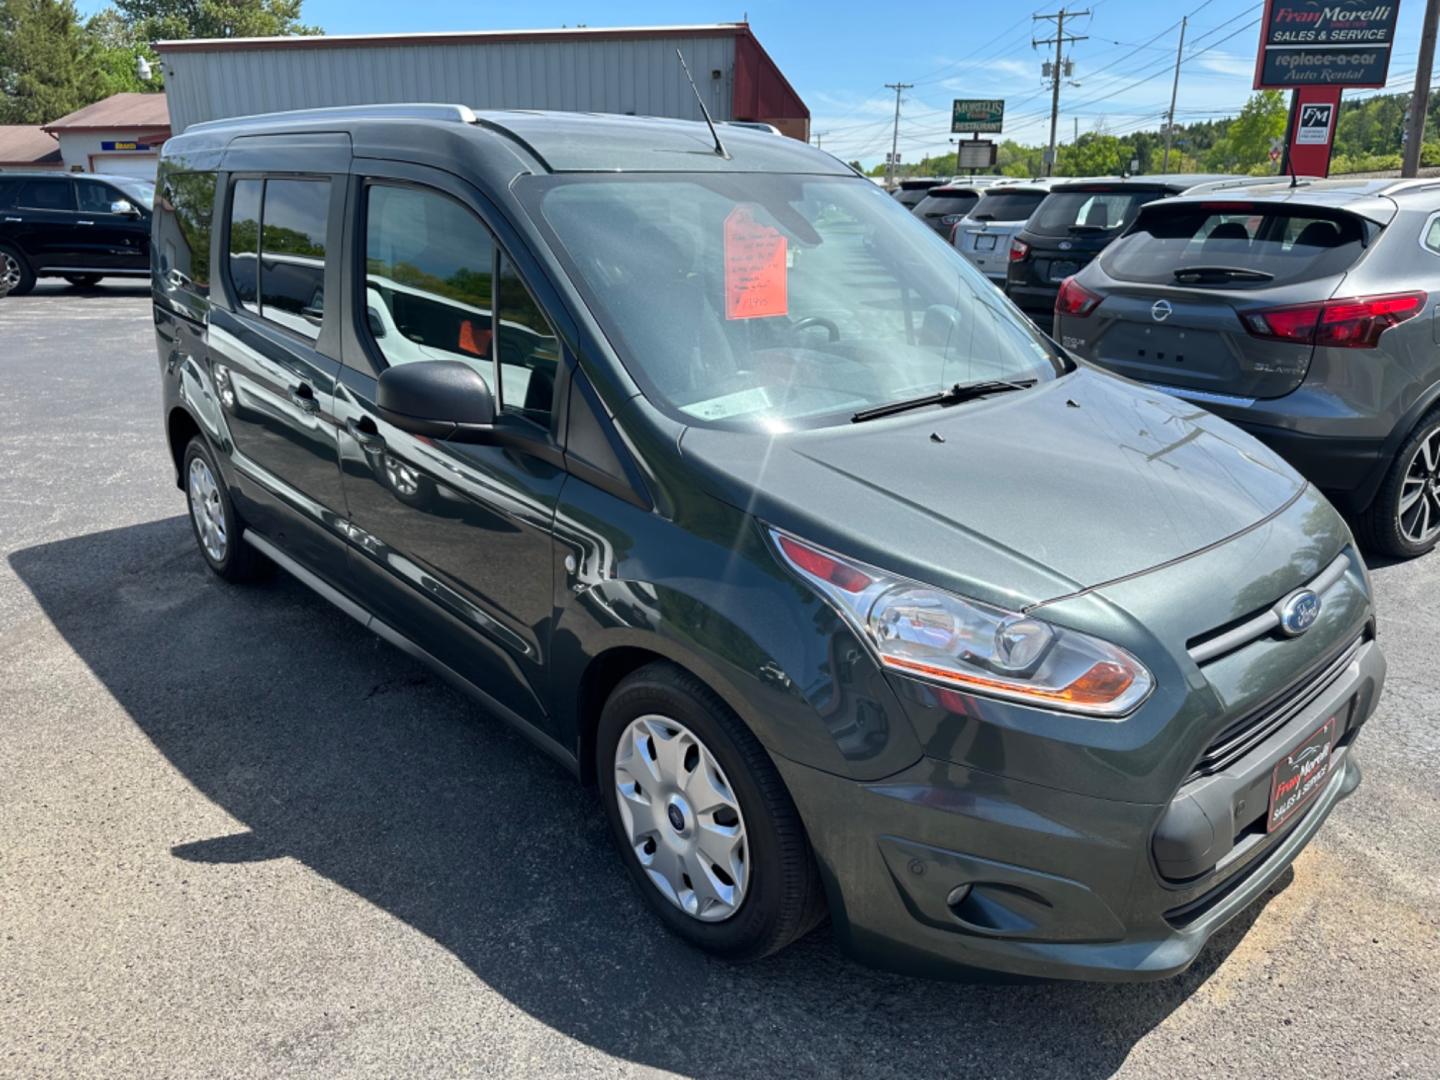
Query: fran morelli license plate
x=1301 y=775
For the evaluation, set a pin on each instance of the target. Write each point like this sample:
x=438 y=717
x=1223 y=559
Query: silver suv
x=1302 y=313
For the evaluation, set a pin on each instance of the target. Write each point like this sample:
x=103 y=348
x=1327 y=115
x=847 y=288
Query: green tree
x=1245 y=145
x=111 y=52
x=166 y=20
x=42 y=70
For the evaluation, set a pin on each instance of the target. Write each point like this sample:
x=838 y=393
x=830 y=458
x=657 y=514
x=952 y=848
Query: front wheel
x=703 y=821
x=1404 y=519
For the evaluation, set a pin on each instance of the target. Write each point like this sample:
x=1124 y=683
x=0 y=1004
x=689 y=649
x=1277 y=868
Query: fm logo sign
x=1314 y=128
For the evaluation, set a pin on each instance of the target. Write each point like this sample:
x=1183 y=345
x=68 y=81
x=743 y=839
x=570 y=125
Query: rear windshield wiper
x=958 y=393
x=1221 y=273
x=1089 y=228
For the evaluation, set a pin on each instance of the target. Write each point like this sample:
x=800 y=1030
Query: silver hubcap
x=1420 y=493
x=9 y=272
x=681 y=818
x=205 y=508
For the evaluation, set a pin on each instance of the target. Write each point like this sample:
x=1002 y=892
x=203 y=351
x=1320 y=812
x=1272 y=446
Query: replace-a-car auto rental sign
x=1325 y=43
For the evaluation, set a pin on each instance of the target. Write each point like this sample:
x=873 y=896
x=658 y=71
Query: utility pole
x=1057 y=73
x=1420 y=100
x=1174 y=92
x=819 y=139
x=895 y=134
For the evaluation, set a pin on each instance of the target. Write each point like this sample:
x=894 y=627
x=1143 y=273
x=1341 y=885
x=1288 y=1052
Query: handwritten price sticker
x=754 y=268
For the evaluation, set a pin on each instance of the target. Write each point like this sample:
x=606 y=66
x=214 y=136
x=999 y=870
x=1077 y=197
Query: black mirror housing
x=444 y=399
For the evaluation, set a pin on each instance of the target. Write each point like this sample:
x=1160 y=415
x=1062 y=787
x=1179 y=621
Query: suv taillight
x=1074 y=299
x=1341 y=324
x=1019 y=250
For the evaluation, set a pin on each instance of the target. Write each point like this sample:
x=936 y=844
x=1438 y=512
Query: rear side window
x=1065 y=212
x=245 y=242
x=1229 y=245
x=182 y=230
x=8 y=188
x=293 y=220
x=1007 y=205
x=46 y=195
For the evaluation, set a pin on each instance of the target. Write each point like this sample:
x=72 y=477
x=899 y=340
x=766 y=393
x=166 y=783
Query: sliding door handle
x=364 y=432
x=304 y=397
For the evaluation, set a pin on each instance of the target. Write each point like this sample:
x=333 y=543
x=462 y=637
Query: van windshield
x=772 y=302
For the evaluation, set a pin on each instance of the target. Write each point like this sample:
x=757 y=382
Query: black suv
x=80 y=227
x=1075 y=223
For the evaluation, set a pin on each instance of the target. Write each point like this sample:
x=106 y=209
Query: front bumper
x=1060 y=885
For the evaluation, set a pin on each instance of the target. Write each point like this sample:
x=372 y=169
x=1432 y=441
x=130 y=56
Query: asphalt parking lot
x=239 y=836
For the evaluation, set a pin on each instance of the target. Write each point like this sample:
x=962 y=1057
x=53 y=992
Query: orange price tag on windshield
x=754 y=268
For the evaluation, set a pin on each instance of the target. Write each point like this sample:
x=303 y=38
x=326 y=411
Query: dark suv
x=1075 y=223
x=706 y=467
x=80 y=227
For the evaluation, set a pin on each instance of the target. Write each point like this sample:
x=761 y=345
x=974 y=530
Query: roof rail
x=454 y=114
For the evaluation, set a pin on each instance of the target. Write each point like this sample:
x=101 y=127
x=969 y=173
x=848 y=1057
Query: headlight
x=934 y=635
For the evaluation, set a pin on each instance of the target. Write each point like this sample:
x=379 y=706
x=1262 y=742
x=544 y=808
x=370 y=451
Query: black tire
x=1380 y=526
x=24 y=277
x=238 y=562
x=784 y=898
x=83 y=281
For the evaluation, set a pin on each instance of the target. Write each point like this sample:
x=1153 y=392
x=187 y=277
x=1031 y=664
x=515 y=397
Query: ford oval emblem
x=1160 y=310
x=1065 y=245
x=1299 y=613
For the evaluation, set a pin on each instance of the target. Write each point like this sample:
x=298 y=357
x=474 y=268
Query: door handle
x=84 y=223
x=364 y=432
x=304 y=397
x=13 y=220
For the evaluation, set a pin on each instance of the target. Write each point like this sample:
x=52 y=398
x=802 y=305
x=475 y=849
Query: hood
x=1015 y=499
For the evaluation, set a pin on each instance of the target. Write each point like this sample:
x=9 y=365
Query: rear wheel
x=1404 y=519
x=703 y=821
x=14 y=272
x=83 y=281
x=213 y=520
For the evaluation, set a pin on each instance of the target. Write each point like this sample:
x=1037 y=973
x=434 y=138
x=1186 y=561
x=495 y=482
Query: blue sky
x=839 y=54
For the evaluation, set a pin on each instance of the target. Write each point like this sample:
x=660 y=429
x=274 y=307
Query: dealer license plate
x=1301 y=775
x=985 y=242
x=1059 y=271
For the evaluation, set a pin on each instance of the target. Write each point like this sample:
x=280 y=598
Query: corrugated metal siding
x=640 y=76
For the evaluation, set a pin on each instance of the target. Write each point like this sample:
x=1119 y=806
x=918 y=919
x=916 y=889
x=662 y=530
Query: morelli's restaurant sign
x=1325 y=43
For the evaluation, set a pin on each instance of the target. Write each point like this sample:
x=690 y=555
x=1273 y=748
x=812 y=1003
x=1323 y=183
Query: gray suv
x=1304 y=314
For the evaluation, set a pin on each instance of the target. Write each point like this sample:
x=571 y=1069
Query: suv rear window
x=946 y=201
x=1099 y=210
x=1237 y=244
x=1007 y=205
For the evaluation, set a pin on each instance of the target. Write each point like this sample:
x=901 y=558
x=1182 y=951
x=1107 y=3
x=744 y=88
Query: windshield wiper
x=1223 y=273
x=958 y=393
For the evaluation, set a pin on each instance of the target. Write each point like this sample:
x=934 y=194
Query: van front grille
x=1252 y=729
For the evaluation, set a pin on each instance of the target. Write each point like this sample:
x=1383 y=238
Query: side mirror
x=125 y=208
x=444 y=399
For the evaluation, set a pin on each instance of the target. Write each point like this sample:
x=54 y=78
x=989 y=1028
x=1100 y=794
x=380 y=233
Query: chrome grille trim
x=1267 y=621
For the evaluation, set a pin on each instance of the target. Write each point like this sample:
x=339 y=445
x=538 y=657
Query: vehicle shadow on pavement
x=338 y=751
